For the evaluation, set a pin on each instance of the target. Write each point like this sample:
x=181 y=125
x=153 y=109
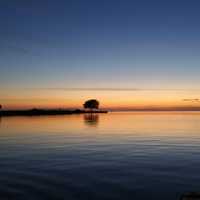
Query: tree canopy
x=91 y=104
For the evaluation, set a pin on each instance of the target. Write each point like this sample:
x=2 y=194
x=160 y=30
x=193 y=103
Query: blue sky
x=104 y=43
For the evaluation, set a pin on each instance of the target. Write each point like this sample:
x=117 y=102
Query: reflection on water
x=127 y=156
x=91 y=119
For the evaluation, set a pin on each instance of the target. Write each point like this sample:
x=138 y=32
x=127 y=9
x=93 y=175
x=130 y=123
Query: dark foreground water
x=107 y=156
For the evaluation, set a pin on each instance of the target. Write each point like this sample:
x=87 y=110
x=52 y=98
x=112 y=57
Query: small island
x=90 y=106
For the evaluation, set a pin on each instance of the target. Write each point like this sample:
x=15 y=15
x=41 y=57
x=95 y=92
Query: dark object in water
x=191 y=196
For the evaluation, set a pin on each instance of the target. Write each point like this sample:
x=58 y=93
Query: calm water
x=106 y=156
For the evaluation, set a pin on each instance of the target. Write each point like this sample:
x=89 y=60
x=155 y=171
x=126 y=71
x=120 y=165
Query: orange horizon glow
x=111 y=100
x=104 y=104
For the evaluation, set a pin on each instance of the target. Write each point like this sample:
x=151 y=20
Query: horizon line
x=150 y=108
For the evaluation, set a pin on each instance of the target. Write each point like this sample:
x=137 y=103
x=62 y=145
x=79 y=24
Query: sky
x=125 y=53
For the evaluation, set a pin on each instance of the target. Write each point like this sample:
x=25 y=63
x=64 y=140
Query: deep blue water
x=108 y=156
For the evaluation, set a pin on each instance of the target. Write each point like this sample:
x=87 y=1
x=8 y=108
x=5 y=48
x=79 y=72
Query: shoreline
x=46 y=112
x=42 y=112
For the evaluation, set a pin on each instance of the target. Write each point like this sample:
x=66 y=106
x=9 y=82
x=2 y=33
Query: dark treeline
x=90 y=106
x=37 y=112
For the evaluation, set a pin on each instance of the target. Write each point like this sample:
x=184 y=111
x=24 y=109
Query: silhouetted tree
x=91 y=104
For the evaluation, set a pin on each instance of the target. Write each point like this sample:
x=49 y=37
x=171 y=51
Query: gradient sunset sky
x=127 y=54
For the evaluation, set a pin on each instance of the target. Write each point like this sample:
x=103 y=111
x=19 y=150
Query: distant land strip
x=38 y=112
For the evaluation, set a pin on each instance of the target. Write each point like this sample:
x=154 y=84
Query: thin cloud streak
x=192 y=100
x=116 y=89
x=14 y=48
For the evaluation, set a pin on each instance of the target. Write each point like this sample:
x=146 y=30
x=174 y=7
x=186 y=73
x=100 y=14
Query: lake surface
x=124 y=155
